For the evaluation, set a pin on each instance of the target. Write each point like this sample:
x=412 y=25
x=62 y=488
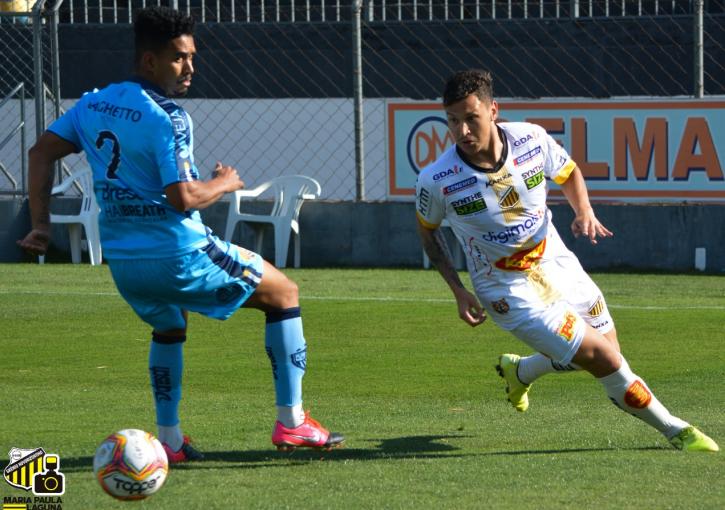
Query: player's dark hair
x=464 y=83
x=154 y=27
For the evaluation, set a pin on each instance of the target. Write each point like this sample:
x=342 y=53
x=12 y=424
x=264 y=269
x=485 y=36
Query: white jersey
x=501 y=219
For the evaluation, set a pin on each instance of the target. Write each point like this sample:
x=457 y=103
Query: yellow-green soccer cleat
x=690 y=439
x=516 y=391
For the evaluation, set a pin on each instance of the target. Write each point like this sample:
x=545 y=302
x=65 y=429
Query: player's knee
x=611 y=337
x=598 y=356
x=289 y=294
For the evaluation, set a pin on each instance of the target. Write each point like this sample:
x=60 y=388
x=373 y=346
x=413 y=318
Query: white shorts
x=547 y=309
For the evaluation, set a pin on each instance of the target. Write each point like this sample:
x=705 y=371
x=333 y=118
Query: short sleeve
x=558 y=165
x=428 y=204
x=65 y=127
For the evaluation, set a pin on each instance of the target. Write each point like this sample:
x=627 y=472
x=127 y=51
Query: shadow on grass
x=408 y=447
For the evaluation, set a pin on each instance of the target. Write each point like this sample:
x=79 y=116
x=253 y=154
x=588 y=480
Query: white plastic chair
x=289 y=191
x=87 y=217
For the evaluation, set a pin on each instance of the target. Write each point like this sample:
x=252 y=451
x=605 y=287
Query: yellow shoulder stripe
x=422 y=221
x=565 y=172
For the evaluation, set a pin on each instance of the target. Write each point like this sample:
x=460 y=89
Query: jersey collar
x=145 y=84
x=499 y=163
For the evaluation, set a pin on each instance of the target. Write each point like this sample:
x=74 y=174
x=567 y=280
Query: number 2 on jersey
x=115 y=148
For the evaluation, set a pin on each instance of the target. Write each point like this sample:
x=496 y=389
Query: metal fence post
x=699 y=49
x=357 y=7
x=574 y=8
x=39 y=89
x=53 y=20
x=23 y=156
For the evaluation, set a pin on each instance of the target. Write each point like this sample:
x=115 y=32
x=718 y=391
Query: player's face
x=173 y=67
x=471 y=121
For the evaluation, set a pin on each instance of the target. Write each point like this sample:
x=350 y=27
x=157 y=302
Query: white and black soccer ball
x=130 y=464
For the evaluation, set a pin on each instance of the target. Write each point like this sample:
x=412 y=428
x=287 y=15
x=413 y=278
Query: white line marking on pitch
x=362 y=298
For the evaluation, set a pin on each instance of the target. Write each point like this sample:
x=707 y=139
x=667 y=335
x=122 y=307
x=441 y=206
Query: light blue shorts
x=213 y=281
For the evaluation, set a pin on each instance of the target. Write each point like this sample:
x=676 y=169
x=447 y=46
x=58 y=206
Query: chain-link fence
x=29 y=84
x=296 y=11
x=275 y=87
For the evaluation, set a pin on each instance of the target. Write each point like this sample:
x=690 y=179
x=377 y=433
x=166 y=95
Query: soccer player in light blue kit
x=164 y=260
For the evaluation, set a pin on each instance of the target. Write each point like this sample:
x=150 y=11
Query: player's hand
x=229 y=175
x=36 y=242
x=469 y=309
x=587 y=225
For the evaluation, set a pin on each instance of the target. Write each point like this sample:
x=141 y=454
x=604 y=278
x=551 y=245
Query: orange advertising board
x=632 y=151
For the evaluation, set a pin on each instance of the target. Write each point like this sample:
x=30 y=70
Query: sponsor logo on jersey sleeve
x=179 y=124
x=423 y=201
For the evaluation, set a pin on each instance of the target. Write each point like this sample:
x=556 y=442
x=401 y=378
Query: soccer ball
x=130 y=464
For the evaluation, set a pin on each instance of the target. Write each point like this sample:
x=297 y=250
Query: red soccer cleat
x=308 y=435
x=185 y=453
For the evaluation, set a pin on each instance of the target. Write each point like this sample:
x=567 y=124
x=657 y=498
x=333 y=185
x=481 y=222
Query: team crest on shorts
x=245 y=255
x=597 y=308
x=501 y=306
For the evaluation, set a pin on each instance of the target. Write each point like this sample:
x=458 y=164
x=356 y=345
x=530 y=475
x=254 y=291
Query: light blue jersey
x=137 y=142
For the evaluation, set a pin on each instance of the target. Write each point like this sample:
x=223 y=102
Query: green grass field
x=392 y=367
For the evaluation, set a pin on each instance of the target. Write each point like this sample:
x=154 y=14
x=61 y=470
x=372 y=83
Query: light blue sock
x=287 y=351
x=166 y=364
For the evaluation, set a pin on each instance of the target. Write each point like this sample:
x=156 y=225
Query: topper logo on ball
x=427 y=140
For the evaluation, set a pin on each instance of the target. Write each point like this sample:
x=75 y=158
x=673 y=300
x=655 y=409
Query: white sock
x=534 y=366
x=631 y=394
x=171 y=436
x=291 y=417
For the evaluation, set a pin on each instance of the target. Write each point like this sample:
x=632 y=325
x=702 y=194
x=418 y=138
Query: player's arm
x=41 y=160
x=436 y=247
x=198 y=194
x=585 y=222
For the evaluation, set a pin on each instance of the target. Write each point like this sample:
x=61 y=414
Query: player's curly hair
x=464 y=83
x=154 y=27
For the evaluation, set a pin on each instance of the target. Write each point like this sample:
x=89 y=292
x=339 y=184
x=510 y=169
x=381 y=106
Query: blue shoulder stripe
x=182 y=133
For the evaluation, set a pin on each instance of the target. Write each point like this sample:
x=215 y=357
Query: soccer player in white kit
x=491 y=188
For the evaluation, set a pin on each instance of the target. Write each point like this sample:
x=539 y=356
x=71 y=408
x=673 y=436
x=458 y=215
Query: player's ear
x=494 y=111
x=148 y=61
